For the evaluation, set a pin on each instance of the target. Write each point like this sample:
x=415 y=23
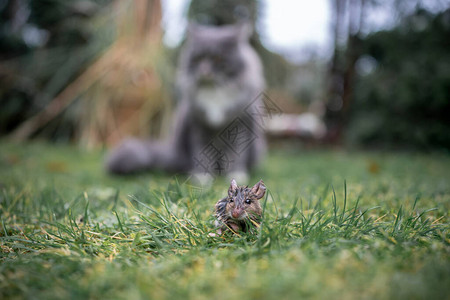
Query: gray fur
x=236 y=202
x=218 y=77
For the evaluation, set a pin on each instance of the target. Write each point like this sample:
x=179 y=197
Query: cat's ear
x=233 y=188
x=259 y=189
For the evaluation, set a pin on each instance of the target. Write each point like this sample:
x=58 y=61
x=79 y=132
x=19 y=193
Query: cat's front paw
x=239 y=176
x=205 y=180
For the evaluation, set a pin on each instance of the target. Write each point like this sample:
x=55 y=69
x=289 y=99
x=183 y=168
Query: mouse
x=240 y=209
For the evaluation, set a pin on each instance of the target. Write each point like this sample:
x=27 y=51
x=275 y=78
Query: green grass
x=336 y=225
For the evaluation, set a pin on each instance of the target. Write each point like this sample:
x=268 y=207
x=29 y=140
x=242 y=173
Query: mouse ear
x=233 y=187
x=259 y=189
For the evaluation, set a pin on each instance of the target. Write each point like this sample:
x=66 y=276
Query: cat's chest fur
x=217 y=103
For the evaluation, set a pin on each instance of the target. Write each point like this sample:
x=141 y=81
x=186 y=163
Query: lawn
x=336 y=225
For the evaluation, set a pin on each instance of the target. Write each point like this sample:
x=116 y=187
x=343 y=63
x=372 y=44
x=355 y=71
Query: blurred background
x=364 y=73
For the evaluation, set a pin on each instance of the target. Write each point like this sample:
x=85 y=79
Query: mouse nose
x=236 y=213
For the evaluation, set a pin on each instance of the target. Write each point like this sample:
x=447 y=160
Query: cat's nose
x=205 y=70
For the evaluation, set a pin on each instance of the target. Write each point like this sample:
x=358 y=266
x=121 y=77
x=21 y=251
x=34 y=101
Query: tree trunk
x=348 y=16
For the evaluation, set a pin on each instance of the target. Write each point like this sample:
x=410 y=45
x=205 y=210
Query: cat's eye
x=248 y=201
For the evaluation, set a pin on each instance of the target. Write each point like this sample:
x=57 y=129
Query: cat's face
x=213 y=56
x=213 y=64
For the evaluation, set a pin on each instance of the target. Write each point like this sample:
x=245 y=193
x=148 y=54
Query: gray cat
x=217 y=130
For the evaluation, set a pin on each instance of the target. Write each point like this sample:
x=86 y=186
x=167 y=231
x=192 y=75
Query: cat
x=219 y=78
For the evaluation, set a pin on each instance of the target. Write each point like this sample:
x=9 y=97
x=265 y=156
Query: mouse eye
x=231 y=200
x=248 y=201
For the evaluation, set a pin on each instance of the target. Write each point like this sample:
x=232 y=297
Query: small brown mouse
x=240 y=208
